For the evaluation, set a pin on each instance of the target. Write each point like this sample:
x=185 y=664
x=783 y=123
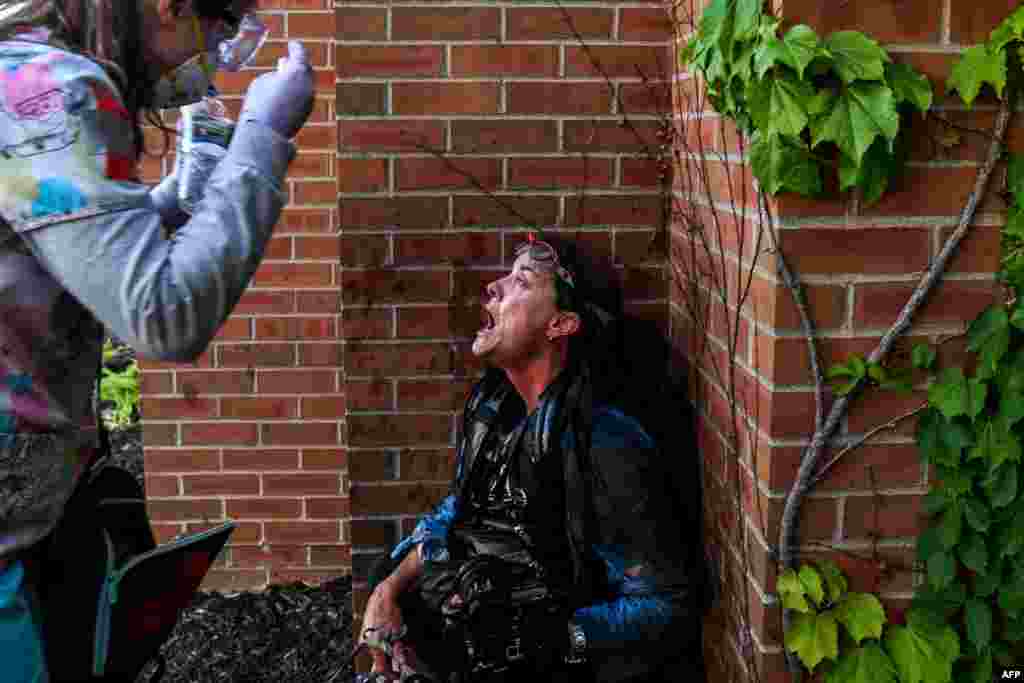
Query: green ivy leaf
x=835 y=582
x=1009 y=30
x=986 y=584
x=1011 y=596
x=1009 y=536
x=949 y=393
x=873 y=173
x=778 y=103
x=783 y=165
x=856 y=57
x=861 y=113
x=867 y=664
x=982 y=672
x=996 y=443
x=862 y=615
x=978 y=618
x=1011 y=407
x=796 y=50
x=935 y=501
x=950 y=526
x=924 y=650
x=1001 y=486
x=977 y=65
x=1015 y=180
x=811 y=581
x=973 y=553
x=956 y=481
x=813 y=637
x=942 y=602
x=989 y=335
x=792 y=592
x=977 y=515
x=1014 y=631
x=909 y=86
x=922 y=357
x=941 y=570
x=746 y=19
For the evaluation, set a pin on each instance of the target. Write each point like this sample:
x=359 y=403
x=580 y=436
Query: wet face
x=172 y=38
x=519 y=314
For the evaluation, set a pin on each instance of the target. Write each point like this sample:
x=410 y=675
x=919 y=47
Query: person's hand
x=282 y=99
x=382 y=621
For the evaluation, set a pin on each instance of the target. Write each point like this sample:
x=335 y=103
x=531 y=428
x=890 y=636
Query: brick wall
x=252 y=431
x=438 y=106
x=859 y=266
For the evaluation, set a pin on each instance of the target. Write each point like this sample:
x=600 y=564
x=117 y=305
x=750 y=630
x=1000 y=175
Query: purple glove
x=282 y=99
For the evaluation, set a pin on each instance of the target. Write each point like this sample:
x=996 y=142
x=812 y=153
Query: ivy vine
x=807 y=104
x=868 y=648
x=811 y=106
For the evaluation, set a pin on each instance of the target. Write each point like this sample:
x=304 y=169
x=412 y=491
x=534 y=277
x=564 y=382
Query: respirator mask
x=228 y=49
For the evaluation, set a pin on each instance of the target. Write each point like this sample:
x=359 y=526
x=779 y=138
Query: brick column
x=437 y=107
x=859 y=266
x=253 y=430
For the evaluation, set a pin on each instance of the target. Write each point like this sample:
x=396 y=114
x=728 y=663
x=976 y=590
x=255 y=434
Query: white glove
x=282 y=99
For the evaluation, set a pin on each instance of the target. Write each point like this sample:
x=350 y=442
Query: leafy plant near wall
x=119 y=387
x=866 y=648
x=971 y=431
x=807 y=103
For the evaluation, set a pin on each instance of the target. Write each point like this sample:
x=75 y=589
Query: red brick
x=429 y=173
x=477 y=248
x=300 y=433
x=642 y=211
x=622 y=61
x=302 y=532
x=268 y=556
x=250 y=408
x=185 y=509
x=295 y=275
x=478 y=212
x=324 y=458
x=367 y=323
x=156 y=434
x=263 y=508
x=432 y=394
x=552 y=173
x=305 y=220
x=236 y=328
x=504 y=60
x=352 y=23
x=374 y=431
x=265 y=302
x=646 y=24
x=416 y=359
x=362 y=175
x=245 y=532
x=445 y=23
x=259 y=459
x=298 y=381
x=842 y=250
x=184 y=460
x=390 y=136
x=328 y=508
x=388 y=285
x=322 y=407
x=399 y=213
x=396 y=498
x=331 y=555
x=497 y=136
x=609 y=136
x=559 y=98
x=384 y=61
x=952 y=302
x=887 y=516
x=561 y=23
x=209 y=433
x=152 y=382
x=158 y=487
x=419 y=99
x=973 y=22
x=301 y=484
x=887 y=21
x=373 y=532
x=220 y=484
x=314 y=302
x=177 y=408
x=428 y=465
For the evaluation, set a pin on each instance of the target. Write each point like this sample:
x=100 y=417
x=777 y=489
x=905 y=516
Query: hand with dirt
x=382 y=622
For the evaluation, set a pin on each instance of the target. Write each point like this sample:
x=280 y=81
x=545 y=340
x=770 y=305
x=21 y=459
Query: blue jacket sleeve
x=635 y=527
x=431 y=532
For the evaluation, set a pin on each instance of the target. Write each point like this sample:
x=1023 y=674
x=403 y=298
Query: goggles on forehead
x=543 y=253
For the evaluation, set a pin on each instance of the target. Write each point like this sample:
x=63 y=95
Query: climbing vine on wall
x=808 y=104
x=811 y=106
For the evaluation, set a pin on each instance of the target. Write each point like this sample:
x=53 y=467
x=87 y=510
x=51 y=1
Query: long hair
x=109 y=32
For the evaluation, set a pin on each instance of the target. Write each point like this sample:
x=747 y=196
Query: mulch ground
x=286 y=634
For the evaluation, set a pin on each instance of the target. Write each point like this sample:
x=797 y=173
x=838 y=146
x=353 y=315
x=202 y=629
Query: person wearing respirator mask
x=81 y=241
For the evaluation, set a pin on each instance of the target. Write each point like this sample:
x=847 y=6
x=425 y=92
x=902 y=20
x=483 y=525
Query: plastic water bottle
x=204 y=133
